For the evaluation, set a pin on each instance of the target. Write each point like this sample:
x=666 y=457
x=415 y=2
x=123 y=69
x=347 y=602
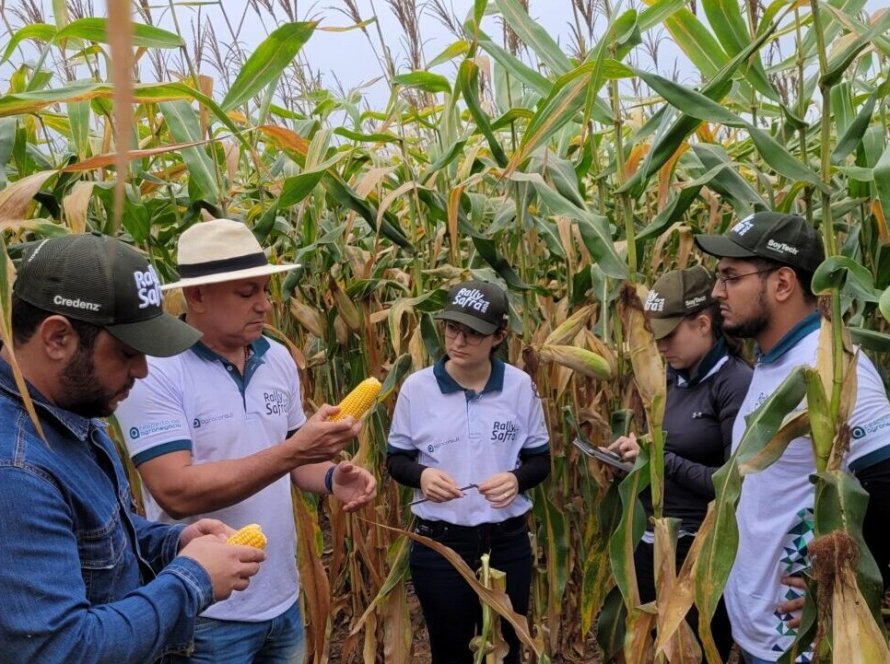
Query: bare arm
x=184 y=489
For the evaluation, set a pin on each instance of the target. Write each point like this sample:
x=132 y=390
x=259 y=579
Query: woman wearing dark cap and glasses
x=468 y=434
x=707 y=382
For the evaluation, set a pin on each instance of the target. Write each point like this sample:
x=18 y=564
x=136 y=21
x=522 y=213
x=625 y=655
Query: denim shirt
x=83 y=577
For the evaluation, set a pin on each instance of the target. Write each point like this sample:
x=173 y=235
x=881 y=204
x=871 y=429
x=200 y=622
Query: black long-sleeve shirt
x=699 y=414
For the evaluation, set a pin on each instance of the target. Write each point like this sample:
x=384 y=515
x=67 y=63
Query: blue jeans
x=451 y=608
x=281 y=640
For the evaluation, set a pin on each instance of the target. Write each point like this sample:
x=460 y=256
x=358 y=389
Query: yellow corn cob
x=250 y=535
x=359 y=400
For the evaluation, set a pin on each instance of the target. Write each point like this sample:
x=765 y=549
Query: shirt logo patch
x=199 y=422
x=161 y=426
x=277 y=402
x=871 y=427
x=432 y=447
x=504 y=432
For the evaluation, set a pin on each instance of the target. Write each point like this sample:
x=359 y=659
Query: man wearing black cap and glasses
x=220 y=429
x=84 y=577
x=765 y=268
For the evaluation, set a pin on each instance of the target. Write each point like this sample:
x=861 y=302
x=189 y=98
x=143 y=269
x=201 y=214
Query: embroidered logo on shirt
x=199 y=422
x=502 y=432
x=432 y=447
x=161 y=426
x=871 y=427
x=276 y=402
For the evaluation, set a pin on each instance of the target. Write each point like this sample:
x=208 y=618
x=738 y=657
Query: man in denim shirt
x=84 y=578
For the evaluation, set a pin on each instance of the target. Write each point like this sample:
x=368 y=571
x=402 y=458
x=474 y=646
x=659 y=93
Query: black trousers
x=644 y=560
x=451 y=608
x=876 y=529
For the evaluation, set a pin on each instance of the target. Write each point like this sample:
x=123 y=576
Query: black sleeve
x=730 y=390
x=404 y=468
x=533 y=469
x=690 y=474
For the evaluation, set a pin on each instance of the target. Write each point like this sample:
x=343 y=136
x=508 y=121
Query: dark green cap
x=676 y=295
x=784 y=238
x=480 y=305
x=99 y=280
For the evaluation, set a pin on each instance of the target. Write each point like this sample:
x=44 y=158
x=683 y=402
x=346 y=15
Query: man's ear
x=785 y=283
x=58 y=338
x=194 y=298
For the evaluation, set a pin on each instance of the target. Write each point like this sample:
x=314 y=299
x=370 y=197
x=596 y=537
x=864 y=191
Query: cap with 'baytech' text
x=480 y=305
x=100 y=280
x=784 y=238
x=676 y=295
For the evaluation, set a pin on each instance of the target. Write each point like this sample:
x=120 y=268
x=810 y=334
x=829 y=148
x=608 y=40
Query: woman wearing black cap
x=468 y=434
x=707 y=383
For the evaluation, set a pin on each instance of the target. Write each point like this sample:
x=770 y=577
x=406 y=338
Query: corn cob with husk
x=359 y=400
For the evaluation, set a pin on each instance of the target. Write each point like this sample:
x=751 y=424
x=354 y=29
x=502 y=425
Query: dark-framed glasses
x=722 y=279
x=471 y=337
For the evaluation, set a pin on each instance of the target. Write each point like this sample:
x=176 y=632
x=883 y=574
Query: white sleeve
x=152 y=418
x=400 y=430
x=538 y=437
x=870 y=419
x=296 y=416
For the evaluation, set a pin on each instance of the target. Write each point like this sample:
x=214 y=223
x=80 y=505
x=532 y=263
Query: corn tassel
x=250 y=535
x=359 y=400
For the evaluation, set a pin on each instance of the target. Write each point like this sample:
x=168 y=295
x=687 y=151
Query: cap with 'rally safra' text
x=100 y=280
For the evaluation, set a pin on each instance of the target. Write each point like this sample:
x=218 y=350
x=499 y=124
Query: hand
x=626 y=447
x=438 y=486
x=500 y=490
x=794 y=606
x=229 y=566
x=204 y=527
x=321 y=440
x=353 y=486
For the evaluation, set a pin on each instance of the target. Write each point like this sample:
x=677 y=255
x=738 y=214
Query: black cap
x=100 y=280
x=784 y=238
x=480 y=305
x=676 y=295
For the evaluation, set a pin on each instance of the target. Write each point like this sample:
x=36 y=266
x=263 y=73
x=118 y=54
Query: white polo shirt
x=198 y=401
x=471 y=436
x=775 y=512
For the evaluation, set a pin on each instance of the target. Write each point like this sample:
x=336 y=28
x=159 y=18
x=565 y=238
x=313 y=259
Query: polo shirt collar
x=258 y=348
x=702 y=370
x=447 y=384
x=808 y=325
x=78 y=425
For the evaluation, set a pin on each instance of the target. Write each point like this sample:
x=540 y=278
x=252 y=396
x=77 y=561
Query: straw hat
x=221 y=250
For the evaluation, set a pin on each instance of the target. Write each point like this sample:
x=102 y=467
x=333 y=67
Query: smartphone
x=602 y=454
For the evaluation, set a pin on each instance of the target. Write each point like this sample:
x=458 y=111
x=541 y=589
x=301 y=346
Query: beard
x=83 y=392
x=756 y=323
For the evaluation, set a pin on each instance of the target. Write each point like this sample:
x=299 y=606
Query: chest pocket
x=102 y=558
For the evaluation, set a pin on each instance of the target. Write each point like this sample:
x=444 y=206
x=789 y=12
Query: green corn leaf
x=778 y=158
x=696 y=42
x=594 y=228
x=455 y=50
x=658 y=12
x=423 y=80
x=267 y=62
x=528 y=76
x=728 y=182
x=855 y=131
x=689 y=101
x=40 y=32
x=96 y=30
x=882 y=180
x=468 y=82
x=629 y=531
x=534 y=36
x=185 y=127
x=841 y=272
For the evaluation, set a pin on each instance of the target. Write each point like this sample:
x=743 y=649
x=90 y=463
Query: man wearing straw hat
x=220 y=430
x=84 y=577
x=764 y=275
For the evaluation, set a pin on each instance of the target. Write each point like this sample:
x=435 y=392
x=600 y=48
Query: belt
x=439 y=528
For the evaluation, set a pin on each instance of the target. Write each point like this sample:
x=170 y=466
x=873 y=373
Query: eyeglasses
x=471 y=337
x=722 y=279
